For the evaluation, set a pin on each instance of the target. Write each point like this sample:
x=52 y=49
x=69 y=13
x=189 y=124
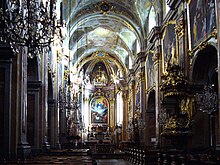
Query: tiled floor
x=112 y=162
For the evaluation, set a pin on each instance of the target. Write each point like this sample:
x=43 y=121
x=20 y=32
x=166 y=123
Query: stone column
x=23 y=148
x=87 y=116
x=62 y=117
x=125 y=116
x=44 y=76
x=132 y=94
x=52 y=122
x=112 y=119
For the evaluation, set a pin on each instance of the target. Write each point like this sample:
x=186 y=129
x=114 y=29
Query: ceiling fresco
x=116 y=27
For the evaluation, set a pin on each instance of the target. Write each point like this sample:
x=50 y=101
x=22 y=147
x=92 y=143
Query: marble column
x=157 y=94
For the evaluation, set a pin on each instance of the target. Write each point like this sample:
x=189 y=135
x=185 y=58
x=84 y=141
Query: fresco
x=202 y=20
x=99 y=110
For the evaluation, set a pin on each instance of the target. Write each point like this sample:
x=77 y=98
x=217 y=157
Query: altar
x=104 y=137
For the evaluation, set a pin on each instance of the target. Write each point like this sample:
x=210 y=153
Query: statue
x=173 y=58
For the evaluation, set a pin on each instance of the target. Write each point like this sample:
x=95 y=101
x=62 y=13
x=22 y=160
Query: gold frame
x=201 y=45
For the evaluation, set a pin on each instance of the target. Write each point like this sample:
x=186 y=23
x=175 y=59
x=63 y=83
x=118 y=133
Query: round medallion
x=105 y=7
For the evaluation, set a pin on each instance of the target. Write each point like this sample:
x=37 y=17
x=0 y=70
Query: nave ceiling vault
x=108 y=26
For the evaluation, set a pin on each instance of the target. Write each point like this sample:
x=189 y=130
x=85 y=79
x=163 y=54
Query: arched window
x=152 y=18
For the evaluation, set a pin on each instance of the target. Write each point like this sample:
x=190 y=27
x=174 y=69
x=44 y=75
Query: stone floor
x=72 y=157
x=72 y=160
x=112 y=162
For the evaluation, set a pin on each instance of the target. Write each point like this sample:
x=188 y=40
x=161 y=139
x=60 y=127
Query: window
x=152 y=18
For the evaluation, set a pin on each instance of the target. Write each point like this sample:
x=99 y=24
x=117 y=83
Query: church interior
x=110 y=82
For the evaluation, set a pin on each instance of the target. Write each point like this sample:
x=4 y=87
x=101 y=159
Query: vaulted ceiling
x=115 y=27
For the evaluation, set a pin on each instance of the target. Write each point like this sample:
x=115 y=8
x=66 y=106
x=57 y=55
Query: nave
x=110 y=82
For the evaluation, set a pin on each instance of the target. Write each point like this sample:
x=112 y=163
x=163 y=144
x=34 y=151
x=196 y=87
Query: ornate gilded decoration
x=140 y=76
x=151 y=88
x=180 y=28
x=100 y=77
x=156 y=57
x=214 y=34
x=98 y=93
x=174 y=82
x=186 y=106
x=177 y=125
x=59 y=56
x=176 y=98
x=66 y=74
x=203 y=45
x=190 y=52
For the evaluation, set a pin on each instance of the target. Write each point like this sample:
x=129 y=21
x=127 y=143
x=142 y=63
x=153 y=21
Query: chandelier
x=29 y=23
x=207 y=100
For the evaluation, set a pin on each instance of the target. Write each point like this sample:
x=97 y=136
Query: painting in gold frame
x=202 y=20
x=99 y=109
x=169 y=44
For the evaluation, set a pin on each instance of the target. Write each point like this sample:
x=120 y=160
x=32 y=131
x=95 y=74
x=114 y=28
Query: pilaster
x=5 y=103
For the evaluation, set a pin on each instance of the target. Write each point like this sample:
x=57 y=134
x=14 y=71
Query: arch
x=32 y=69
x=203 y=73
x=96 y=58
x=204 y=65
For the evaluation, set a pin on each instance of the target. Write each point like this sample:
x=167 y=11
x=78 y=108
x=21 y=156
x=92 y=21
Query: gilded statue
x=186 y=106
x=173 y=58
